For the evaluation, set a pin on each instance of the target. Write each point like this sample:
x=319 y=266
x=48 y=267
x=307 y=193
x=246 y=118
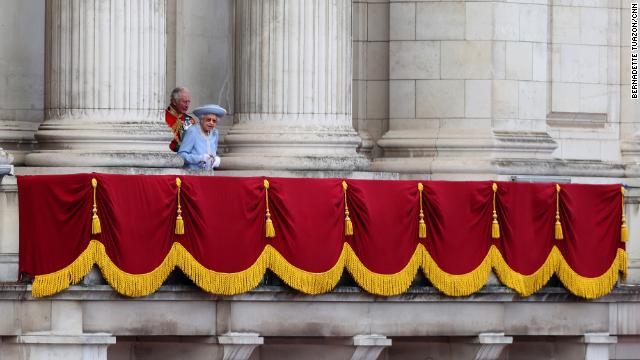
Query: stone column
x=293 y=87
x=468 y=90
x=104 y=85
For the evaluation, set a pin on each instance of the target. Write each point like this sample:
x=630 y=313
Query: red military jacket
x=178 y=123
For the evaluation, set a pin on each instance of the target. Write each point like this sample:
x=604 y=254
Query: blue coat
x=195 y=144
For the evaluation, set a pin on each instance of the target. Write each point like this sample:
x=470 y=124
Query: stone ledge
x=622 y=293
x=371 y=340
x=599 y=338
x=49 y=338
x=370 y=175
x=558 y=167
x=240 y=339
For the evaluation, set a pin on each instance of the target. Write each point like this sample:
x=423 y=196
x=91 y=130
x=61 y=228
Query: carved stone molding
x=369 y=347
x=597 y=345
x=491 y=345
x=239 y=346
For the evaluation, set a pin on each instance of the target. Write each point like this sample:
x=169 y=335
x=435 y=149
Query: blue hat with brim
x=210 y=109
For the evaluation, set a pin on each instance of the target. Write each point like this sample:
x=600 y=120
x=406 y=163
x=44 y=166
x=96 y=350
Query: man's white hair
x=175 y=93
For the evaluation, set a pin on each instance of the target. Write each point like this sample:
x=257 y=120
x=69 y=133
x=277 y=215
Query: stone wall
x=200 y=52
x=371 y=71
x=21 y=75
x=182 y=320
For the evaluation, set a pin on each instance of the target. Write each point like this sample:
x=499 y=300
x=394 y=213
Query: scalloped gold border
x=316 y=283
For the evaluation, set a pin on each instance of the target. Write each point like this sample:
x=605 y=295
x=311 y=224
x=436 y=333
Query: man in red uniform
x=176 y=115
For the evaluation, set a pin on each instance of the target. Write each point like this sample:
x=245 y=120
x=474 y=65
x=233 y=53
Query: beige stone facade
x=523 y=90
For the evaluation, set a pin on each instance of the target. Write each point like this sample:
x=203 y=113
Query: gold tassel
x=495 y=226
x=348 y=225
x=95 y=222
x=558 y=227
x=179 y=220
x=269 y=230
x=422 y=226
x=624 y=230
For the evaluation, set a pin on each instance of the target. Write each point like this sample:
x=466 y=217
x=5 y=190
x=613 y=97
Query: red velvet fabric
x=458 y=224
x=385 y=223
x=225 y=222
x=527 y=217
x=308 y=217
x=55 y=221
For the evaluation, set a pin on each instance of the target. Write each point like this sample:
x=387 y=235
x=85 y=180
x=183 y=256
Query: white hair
x=175 y=93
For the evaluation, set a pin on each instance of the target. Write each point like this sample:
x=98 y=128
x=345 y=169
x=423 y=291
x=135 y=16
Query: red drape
x=225 y=250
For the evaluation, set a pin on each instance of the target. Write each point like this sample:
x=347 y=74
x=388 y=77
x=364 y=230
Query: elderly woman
x=200 y=143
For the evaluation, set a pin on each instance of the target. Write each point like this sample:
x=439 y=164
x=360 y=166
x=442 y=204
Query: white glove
x=205 y=158
x=216 y=161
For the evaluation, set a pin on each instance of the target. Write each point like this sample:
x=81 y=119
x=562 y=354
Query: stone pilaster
x=293 y=87
x=104 y=85
x=468 y=87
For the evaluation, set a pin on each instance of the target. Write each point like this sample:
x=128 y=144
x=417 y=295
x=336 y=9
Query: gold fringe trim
x=52 y=283
x=315 y=283
x=456 y=285
x=623 y=264
x=384 y=284
x=591 y=288
x=221 y=283
x=135 y=285
x=624 y=230
x=524 y=285
x=305 y=281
